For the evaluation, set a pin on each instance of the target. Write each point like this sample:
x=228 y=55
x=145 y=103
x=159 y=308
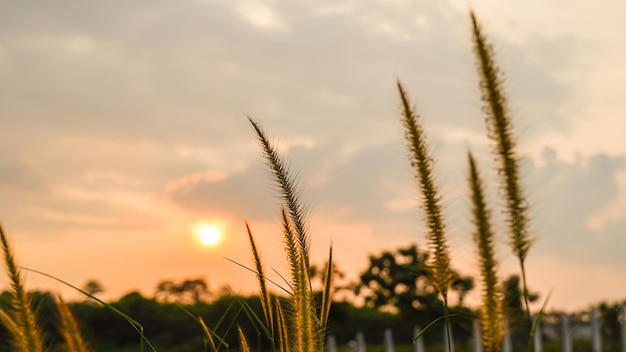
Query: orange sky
x=123 y=125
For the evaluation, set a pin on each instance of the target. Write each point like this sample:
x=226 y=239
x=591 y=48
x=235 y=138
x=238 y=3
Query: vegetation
x=400 y=289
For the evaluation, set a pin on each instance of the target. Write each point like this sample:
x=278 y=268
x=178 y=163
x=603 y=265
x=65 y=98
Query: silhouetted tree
x=187 y=291
x=462 y=285
x=611 y=327
x=514 y=310
x=93 y=287
x=398 y=281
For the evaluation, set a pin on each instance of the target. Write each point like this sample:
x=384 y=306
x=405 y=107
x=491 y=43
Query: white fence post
x=567 y=338
x=389 y=340
x=360 y=342
x=477 y=336
x=507 y=345
x=596 y=338
x=331 y=344
x=419 y=344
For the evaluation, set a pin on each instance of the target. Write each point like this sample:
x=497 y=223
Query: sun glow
x=208 y=234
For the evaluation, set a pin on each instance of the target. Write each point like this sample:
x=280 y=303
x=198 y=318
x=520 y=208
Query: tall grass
x=303 y=328
x=21 y=321
x=69 y=329
x=421 y=161
x=491 y=311
x=499 y=127
x=499 y=131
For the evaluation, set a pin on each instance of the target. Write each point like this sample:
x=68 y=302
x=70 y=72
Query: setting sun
x=208 y=234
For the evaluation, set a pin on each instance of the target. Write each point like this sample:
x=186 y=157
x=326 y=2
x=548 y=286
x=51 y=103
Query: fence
x=590 y=330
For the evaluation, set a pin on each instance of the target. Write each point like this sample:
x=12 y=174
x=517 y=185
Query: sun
x=208 y=234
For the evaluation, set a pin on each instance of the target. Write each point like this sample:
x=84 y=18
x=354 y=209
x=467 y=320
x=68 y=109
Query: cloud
x=116 y=114
x=569 y=195
x=19 y=174
x=243 y=195
x=260 y=15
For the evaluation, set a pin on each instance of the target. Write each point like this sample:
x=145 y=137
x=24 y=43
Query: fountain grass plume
x=74 y=341
x=283 y=330
x=29 y=336
x=491 y=310
x=286 y=186
x=9 y=324
x=266 y=303
x=209 y=342
x=439 y=266
x=303 y=309
x=243 y=342
x=303 y=329
x=499 y=127
x=422 y=162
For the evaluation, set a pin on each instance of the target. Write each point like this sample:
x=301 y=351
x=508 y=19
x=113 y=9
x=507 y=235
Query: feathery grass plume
x=293 y=253
x=422 y=162
x=7 y=322
x=283 y=331
x=30 y=334
x=499 y=127
x=208 y=337
x=303 y=309
x=242 y=340
x=69 y=329
x=305 y=329
x=266 y=303
x=491 y=311
x=286 y=185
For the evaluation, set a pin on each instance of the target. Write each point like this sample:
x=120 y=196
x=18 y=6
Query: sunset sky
x=123 y=126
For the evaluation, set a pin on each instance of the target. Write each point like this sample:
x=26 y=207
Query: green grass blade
x=540 y=315
x=135 y=324
x=327 y=293
x=208 y=333
x=253 y=317
x=253 y=271
x=424 y=330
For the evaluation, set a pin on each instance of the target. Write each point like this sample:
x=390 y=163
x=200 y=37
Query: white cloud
x=614 y=211
x=261 y=15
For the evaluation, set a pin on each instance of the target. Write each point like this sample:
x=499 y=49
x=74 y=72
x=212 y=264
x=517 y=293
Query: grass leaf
x=135 y=324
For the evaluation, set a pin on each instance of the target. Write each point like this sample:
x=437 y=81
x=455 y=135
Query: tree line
x=393 y=292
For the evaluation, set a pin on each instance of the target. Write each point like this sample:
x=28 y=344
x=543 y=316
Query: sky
x=123 y=127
